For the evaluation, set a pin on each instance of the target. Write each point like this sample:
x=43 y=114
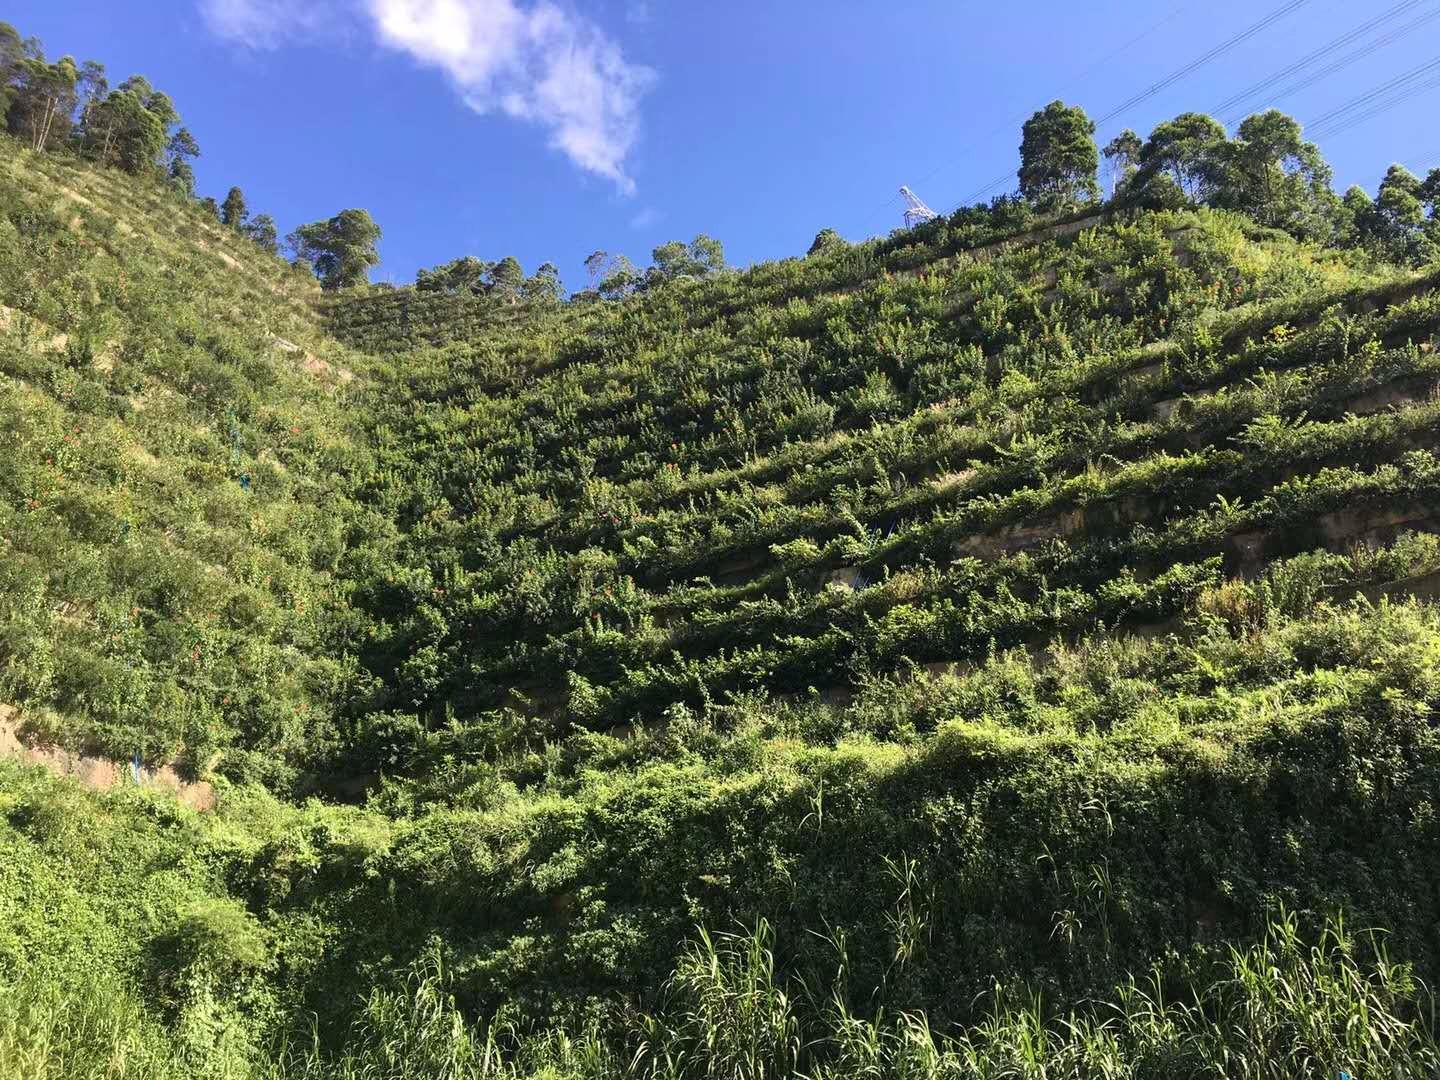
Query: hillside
x=184 y=452
x=984 y=623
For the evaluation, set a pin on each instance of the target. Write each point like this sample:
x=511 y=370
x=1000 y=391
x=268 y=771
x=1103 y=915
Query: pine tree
x=233 y=211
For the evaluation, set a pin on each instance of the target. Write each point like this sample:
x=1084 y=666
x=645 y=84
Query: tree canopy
x=1058 y=159
x=703 y=256
x=233 y=211
x=1275 y=176
x=826 y=240
x=1184 y=158
x=1401 y=223
x=341 y=249
x=1122 y=157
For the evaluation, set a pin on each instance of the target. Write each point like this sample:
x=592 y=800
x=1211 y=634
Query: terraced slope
x=174 y=507
x=986 y=606
x=691 y=497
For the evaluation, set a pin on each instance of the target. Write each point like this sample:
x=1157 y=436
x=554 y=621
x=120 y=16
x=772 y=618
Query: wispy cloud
x=537 y=62
x=264 y=24
x=645 y=218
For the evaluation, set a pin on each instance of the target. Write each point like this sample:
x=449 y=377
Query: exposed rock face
x=99 y=773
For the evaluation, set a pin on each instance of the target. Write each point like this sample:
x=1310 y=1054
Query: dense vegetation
x=1004 y=648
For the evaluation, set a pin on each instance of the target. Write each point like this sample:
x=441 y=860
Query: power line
x=1175 y=76
x=1084 y=74
x=1235 y=100
x=1384 y=106
x=1200 y=61
x=1346 y=61
x=1339 y=118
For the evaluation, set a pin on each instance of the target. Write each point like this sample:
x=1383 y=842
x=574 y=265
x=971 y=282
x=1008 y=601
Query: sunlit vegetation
x=1005 y=648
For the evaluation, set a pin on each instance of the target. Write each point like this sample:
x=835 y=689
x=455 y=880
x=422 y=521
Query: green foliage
x=1395 y=225
x=463 y=275
x=1122 y=157
x=233 y=211
x=1058 y=159
x=1185 y=156
x=1020 y=599
x=145 y=412
x=701 y=257
x=1277 y=178
x=261 y=229
x=43 y=101
x=826 y=240
x=341 y=249
x=507 y=278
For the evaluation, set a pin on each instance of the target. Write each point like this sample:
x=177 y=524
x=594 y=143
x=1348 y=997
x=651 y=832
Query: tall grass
x=1282 y=1008
x=87 y=1031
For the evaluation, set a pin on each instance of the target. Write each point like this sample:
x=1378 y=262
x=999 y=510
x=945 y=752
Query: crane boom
x=915 y=209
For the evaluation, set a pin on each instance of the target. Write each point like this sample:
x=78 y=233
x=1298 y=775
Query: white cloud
x=536 y=62
x=645 y=218
x=262 y=24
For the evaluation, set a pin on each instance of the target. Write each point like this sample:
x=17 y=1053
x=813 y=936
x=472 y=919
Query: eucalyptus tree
x=702 y=257
x=1396 y=225
x=595 y=264
x=507 y=278
x=1182 y=160
x=466 y=274
x=544 y=286
x=340 y=249
x=1058 y=159
x=261 y=229
x=620 y=279
x=1272 y=173
x=43 y=101
x=1122 y=158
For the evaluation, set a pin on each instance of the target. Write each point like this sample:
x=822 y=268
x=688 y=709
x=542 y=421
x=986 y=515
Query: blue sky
x=547 y=130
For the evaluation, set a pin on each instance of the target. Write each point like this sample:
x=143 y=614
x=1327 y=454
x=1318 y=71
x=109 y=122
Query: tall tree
x=826 y=240
x=1058 y=159
x=261 y=229
x=233 y=210
x=211 y=207
x=595 y=267
x=1430 y=192
x=702 y=257
x=181 y=147
x=507 y=278
x=620 y=280
x=1122 y=158
x=179 y=152
x=341 y=249
x=544 y=286
x=12 y=61
x=122 y=132
x=1189 y=153
x=131 y=129
x=90 y=87
x=1271 y=173
x=466 y=274
x=1352 y=217
x=1395 y=227
x=182 y=177
x=43 y=102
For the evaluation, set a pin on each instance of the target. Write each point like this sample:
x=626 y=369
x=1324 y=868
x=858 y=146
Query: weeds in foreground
x=1284 y=1007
